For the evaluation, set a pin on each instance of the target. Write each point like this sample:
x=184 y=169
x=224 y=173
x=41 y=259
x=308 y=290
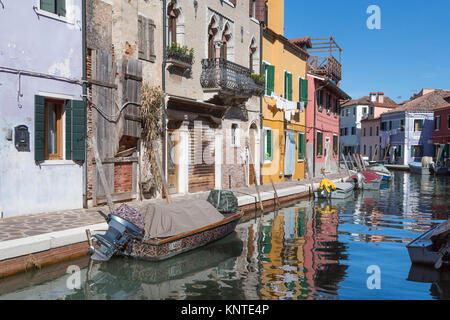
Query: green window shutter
x=61 y=8
x=303 y=90
x=270 y=79
x=75 y=130
x=289 y=97
x=268 y=155
x=412 y=151
x=319 y=143
x=48 y=5
x=335 y=145
x=301 y=146
x=39 y=128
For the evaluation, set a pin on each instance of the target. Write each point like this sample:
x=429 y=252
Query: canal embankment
x=34 y=241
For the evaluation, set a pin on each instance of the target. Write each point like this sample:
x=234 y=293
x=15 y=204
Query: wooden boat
x=385 y=174
x=432 y=247
x=416 y=167
x=342 y=190
x=162 y=231
x=164 y=248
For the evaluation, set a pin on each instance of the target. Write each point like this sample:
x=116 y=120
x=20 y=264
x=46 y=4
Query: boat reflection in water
x=439 y=279
x=122 y=278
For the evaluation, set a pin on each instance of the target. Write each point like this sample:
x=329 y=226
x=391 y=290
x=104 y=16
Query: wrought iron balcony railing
x=229 y=77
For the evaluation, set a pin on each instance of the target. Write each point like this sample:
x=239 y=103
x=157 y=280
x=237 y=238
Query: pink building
x=322 y=110
x=441 y=134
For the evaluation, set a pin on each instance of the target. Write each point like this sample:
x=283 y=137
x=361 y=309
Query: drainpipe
x=84 y=53
x=261 y=131
x=163 y=86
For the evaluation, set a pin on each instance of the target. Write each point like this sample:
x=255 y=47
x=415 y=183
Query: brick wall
x=123 y=177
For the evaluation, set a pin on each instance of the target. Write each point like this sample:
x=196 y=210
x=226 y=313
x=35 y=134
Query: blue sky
x=411 y=51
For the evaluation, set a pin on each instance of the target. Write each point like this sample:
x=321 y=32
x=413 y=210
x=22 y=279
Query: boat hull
x=373 y=185
x=161 y=249
x=419 y=170
x=340 y=192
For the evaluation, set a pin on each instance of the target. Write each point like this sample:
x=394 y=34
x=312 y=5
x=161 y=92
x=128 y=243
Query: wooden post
x=351 y=161
x=362 y=162
x=275 y=192
x=161 y=173
x=357 y=163
x=98 y=164
x=346 y=166
x=386 y=151
x=256 y=180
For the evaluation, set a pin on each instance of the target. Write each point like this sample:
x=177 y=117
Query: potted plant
x=180 y=56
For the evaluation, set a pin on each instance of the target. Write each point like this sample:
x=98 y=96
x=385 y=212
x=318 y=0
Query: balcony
x=228 y=83
x=179 y=60
x=325 y=66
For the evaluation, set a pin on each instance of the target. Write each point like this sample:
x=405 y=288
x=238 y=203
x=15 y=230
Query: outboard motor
x=120 y=235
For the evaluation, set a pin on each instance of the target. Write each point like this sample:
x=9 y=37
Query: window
x=347 y=111
x=288 y=85
x=59 y=129
x=301 y=146
x=390 y=125
x=146 y=36
x=342 y=112
x=235 y=135
x=345 y=131
x=253 y=8
x=418 y=125
x=378 y=131
x=364 y=110
x=370 y=131
x=319 y=144
x=371 y=110
x=416 y=151
x=437 y=123
x=364 y=132
x=269 y=72
x=335 y=145
x=364 y=148
x=172 y=24
x=320 y=98
x=336 y=106
x=354 y=111
x=252 y=51
x=328 y=102
x=370 y=152
x=268 y=144
x=402 y=125
x=383 y=126
x=57 y=7
x=353 y=131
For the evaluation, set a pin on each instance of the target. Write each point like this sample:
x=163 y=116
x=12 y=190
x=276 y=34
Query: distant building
x=441 y=134
x=407 y=131
x=353 y=111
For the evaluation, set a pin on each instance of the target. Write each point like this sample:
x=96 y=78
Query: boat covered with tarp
x=160 y=231
x=382 y=171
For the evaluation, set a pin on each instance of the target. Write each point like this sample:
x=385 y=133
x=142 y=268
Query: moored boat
x=330 y=190
x=161 y=231
x=416 y=167
x=385 y=174
x=432 y=247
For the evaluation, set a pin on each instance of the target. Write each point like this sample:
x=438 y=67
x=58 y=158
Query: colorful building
x=284 y=130
x=441 y=134
x=353 y=111
x=42 y=149
x=407 y=131
x=322 y=108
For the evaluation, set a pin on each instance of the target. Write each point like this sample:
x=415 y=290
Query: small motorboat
x=330 y=190
x=416 y=167
x=438 y=169
x=161 y=231
x=385 y=174
x=366 y=179
x=432 y=247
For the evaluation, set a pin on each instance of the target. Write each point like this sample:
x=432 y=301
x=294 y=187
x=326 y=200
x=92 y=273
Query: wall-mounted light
x=195 y=7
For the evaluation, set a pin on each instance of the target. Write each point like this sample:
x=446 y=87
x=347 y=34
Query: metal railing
x=230 y=77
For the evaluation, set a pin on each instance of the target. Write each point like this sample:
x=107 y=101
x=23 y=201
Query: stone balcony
x=225 y=82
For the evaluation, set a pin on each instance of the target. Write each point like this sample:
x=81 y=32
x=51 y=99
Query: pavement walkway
x=36 y=224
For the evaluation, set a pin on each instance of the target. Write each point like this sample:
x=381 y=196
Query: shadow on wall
x=2 y=5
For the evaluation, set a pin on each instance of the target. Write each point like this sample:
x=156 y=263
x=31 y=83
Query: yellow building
x=284 y=65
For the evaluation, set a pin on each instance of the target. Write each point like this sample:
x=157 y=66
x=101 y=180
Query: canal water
x=339 y=249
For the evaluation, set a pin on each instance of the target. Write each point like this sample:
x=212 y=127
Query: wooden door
x=201 y=157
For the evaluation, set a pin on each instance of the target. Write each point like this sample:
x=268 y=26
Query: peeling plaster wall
x=37 y=43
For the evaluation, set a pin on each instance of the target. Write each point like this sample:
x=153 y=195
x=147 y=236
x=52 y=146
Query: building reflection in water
x=300 y=254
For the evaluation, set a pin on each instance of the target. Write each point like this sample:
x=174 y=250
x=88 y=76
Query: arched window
x=225 y=38
x=172 y=14
x=212 y=31
x=252 y=51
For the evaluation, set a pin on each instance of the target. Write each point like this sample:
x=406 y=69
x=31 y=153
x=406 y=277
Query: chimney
x=380 y=97
x=373 y=96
